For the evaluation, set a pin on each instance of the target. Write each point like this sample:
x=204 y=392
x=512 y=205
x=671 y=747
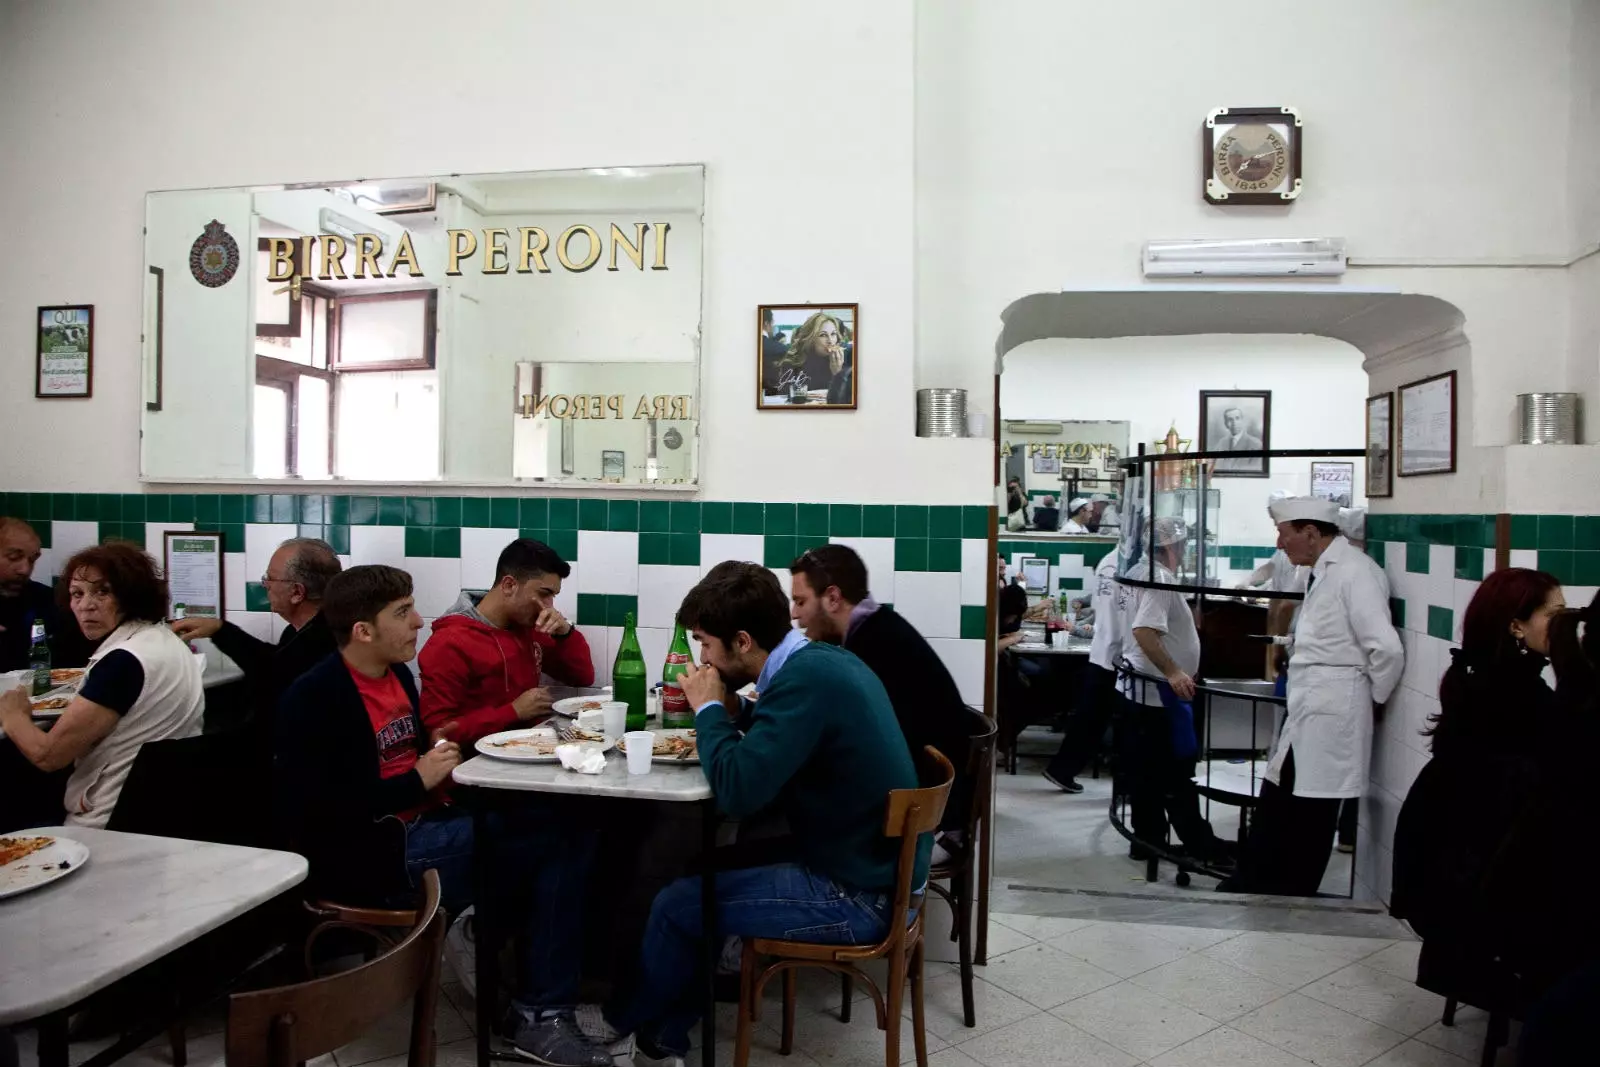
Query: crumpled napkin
x=584 y=758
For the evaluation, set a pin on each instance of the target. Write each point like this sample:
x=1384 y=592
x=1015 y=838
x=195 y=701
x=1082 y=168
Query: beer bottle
x=628 y=680
x=39 y=660
x=675 y=710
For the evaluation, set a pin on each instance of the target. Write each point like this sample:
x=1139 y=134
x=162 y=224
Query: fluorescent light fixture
x=1268 y=257
x=331 y=221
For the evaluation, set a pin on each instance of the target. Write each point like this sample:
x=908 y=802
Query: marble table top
x=664 y=782
x=138 y=899
x=1072 y=646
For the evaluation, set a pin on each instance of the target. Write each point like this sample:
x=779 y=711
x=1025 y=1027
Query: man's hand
x=1007 y=640
x=1182 y=685
x=532 y=704
x=552 y=622
x=701 y=685
x=194 y=629
x=436 y=764
x=15 y=702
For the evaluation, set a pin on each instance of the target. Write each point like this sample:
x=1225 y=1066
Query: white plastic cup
x=641 y=745
x=614 y=717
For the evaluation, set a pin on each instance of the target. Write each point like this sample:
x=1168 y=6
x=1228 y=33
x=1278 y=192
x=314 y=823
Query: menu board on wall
x=193 y=566
x=1428 y=426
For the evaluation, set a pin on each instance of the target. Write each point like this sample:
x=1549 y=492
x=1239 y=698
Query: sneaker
x=461 y=951
x=1071 y=785
x=1346 y=847
x=592 y=1024
x=556 y=1041
x=649 y=1056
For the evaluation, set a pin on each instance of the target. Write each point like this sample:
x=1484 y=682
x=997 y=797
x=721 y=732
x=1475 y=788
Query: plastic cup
x=614 y=717
x=641 y=746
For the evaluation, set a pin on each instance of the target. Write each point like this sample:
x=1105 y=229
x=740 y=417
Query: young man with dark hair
x=820 y=746
x=482 y=667
x=359 y=785
x=832 y=604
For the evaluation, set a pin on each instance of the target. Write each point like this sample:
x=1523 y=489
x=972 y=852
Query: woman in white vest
x=142 y=683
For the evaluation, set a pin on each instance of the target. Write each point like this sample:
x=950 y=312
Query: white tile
x=965 y=661
x=1191 y=938
x=1399 y=960
x=275 y=627
x=952 y=1057
x=1226 y=1047
x=480 y=551
x=661 y=593
x=1121 y=948
x=1044 y=1039
x=785 y=579
x=1318 y=1032
x=595 y=636
x=235 y=573
x=155 y=543
x=254 y=623
x=718 y=548
x=1040 y=927
x=1465 y=1038
x=68 y=537
x=1397 y=1003
x=1045 y=977
x=392 y=1035
x=821 y=1036
x=1489 y=556
x=1135 y=1020
x=1441 y=574
x=877 y=555
x=930 y=601
x=610 y=562
x=373 y=544
x=48 y=567
x=1420 y=1054
x=1278 y=958
x=993 y=1006
x=567 y=599
x=1525 y=557
x=261 y=540
x=653 y=642
x=435 y=583
x=1464 y=589
x=977 y=572
x=1215 y=989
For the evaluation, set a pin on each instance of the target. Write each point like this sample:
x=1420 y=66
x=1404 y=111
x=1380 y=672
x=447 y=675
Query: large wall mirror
x=492 y=329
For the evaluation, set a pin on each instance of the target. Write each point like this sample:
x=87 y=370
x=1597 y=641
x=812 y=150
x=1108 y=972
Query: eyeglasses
x=268 y=580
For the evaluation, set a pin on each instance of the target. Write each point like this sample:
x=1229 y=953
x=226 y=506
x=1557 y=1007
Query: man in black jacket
x=831 y=603
x=359 y=788
x=24 y=601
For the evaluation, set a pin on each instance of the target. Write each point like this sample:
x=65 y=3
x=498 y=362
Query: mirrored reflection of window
x=388 y=425
x=313 y=449
x=272 y=430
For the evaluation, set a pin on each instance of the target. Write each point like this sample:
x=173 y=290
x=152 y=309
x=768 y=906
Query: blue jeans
x=782 y=901
x=540 y=867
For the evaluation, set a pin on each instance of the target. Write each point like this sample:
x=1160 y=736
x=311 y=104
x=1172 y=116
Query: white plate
x=695 y=759
x=572 y=705
x=56 y=860
x=494 y=745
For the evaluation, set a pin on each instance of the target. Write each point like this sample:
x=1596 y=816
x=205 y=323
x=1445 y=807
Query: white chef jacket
x=1166 y=612
x=1106 y=647
x=1072 y=526
x=1286 y=577
x=1346 y=656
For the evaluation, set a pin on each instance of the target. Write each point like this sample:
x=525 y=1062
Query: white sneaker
x=461 y=951
x=732 y=959
x=592 y=1024
x=641 y=1060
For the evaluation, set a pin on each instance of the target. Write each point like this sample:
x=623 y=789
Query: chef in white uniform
x=1078 y=516
x=1345 y=655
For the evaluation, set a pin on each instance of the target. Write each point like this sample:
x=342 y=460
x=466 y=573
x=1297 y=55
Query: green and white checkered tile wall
x=642 y=556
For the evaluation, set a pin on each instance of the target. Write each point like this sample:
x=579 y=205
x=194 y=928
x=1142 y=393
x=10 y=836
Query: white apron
x=1329 y=726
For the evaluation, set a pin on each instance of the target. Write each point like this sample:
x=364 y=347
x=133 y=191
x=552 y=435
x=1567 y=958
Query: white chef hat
x=1353 y=523
x=1305 y=509
x=1276 y=496
x=1078 y=503
x=1170 y=530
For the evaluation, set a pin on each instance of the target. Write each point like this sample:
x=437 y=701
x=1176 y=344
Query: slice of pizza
x=13 y=849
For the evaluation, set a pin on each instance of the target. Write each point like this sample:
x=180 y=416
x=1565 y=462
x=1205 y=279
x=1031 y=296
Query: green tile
x=1469 y=528
x=685 y=516
x=811 y=520
x=1378 y=550
x=844 y=520
x=591 y=609
x=232 y=536
x=749 y=518
x=133 y=507
x=255 y=597
x=975 y=521
x=363 y=511
x=974 y=622
x=180 y=508
x=534 y=512
x=782 y=519
x=592 y=514
x=391 y=511
x=155 y=509
x=447 y=511
x=1397 y=612
x=564 y=514
x=1586 y=532
x=619 y=607
x=1555 y=531
x=258 y=508
x=944 y=554
x=110 y=505
x=911 y=520
x=419 y=541
x=778 y=551
x=1524 y=531
x=207 y=510
x=313 y=508
x=447 y=542
x=655 y=516
x=534 y=533
x=1441 y=622
x=339 y=538
x=338 y=509
x=505 y=513
x=1069 y=585
x=1093 y=554
x=419 y=511
x=1469 y=563
x=910 y=553
x=877 y=520
x=86 y=508
x=40 y=504
x=1437 y=529
x=1560 y=563
x=285 y=508
x=655 y=549
x=716 y=517
x=230 y=507
x=565 y=543
x=312 y=529
x=1585 y=569
x=944 y=521
x=1417 y=557
x=623 y=515
x=685 y=550
x=475 y=512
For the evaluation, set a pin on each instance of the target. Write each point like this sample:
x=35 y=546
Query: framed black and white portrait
x=1237 y=421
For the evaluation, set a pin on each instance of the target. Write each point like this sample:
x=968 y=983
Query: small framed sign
x=65 y=366
x=1380 y=445
x=1427 y=419
x=1334 y=481
x=191 y=560
x=1046 y=464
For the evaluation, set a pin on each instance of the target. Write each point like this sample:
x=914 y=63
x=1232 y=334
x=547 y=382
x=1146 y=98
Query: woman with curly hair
x=820 y=357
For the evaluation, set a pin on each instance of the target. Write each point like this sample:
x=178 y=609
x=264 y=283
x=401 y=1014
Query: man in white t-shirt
x=1098 y=700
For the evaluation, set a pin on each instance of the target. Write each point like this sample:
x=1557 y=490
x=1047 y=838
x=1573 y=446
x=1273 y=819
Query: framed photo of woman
x=807 y=356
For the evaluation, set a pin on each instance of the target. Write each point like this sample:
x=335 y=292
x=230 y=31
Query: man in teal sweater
x=821 y=746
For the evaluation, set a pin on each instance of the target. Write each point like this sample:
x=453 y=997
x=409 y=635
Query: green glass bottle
x=675 y=710
x=39 y=659
x=628 y=680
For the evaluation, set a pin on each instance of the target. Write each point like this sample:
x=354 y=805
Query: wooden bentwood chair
x=911 y=813
x=291 y=1024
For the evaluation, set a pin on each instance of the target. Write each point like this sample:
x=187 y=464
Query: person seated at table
x=24 y=601
x=832 y=603
x=1046 y=516
x=482 y=666
x=297 y=576
x=142 y=683
x=354 y=769
x=822 y=746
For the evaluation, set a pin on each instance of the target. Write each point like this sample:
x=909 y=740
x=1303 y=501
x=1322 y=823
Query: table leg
x=484 y=964
x=53 y=1040
x=712 y=943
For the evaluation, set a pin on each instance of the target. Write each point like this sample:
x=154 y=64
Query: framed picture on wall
x=1380 y=445
x=613 y=464
x=807 y=356
x=1046 y=465
x=65 y=352
x=1427 y=421
x=1334 y=481
x=1237 y=421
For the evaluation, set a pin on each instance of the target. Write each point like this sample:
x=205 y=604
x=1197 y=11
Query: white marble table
x=1072 y=646
x=138 y=899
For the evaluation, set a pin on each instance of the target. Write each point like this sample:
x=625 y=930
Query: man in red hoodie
x=482 y=666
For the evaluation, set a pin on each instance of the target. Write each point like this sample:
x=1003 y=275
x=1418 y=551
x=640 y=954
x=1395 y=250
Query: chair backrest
x=291 y=1024
x=912 y=813
x=214 y=787
x=980 y=765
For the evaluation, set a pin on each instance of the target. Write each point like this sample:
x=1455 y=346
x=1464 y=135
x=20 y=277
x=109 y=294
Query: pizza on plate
x=51 y=703
x=63 y=675
x=13 y=849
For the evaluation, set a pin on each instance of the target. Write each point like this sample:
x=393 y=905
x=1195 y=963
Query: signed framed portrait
x=807 y=356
